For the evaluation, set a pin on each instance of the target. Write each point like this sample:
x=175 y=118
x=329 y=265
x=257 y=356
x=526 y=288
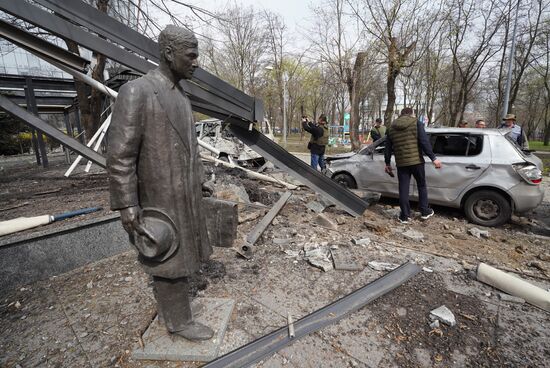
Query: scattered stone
x=341 y=220
x=375 y=227
x=362 y=242
x=474 y=231
x=293 y=253
x=446 y=227
x=382 y=266
x=17 y=305
x=316 y=206
x=249 y=216
x=279 y=241
x=427 y=269
x=370 y=197
x=434 y=324
x=414 y=235
x=128 y=279
x=537 y=265
x=232 y=192
x=544 y=257
x=23 y=317
x=324 y=221
x=444 y=315
x=510 y=298
x=467 y=266
x=83 y=335
x=90 y=285
x=392 y=213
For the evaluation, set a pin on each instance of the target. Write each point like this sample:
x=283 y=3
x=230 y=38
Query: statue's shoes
x=195 y=331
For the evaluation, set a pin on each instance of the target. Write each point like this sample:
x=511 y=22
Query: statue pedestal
x=160 y=345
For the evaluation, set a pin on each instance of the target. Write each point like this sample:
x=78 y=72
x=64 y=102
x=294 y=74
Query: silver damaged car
x=484 y=173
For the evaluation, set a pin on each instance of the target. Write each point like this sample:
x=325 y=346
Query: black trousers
x=404 y=174
x=173 y=302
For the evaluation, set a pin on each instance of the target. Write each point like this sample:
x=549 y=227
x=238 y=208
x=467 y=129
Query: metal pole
x=69 y=133
x=31 y=106
x=285 y=124
x=510 y=63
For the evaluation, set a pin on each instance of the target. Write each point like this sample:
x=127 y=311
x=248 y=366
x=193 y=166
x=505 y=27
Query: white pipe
x=23 y=223
x=86 y=79
x=209 y=147
x=513 y=285
x=89 y=144
x=105 y=126
x=250 y=173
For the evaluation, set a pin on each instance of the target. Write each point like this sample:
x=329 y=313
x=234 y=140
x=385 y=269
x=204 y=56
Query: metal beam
x=49 y=101
x=41 y=47
x=42 y=126
x=40 y=83
x=332 y=313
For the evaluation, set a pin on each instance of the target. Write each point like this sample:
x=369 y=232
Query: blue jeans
x=404 y=176
x=318 y=160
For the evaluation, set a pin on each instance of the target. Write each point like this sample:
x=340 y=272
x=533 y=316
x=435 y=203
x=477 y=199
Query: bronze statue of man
x=156 y=179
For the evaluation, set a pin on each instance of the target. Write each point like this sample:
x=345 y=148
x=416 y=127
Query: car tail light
x=530 y=173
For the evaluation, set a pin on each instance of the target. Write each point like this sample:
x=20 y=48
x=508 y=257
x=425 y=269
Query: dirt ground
x=94 y=316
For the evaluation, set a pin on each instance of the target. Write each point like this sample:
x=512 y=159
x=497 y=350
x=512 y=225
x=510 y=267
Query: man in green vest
x=378 y=130
x=407 y=139
x=318 y=141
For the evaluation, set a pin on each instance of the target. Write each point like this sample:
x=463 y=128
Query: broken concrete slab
x=344 y=262
x=232 y=192
x=362 y=241
x=443 y=314
x=159 y=345
x=316 y=206
x=370 y=197
x=324 y=221
x=319 y=257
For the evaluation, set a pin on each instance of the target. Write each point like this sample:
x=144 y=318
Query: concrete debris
x=343 y=262
x=319 y=257
x=17 y=305
x=281 y=241
x=90 y=285
x=443 y=314
x=324 y=201
x=544 y=257
x=537 y=265
x=293 y=253
x=434 y=324
x=428 y=270
x=370 y=197
x=510 y=298
x=341 y=220
x=324 y=221
x=232 y=192
x=316 y=206
x=382 y=266
x=392 y=213
x=362 y=242
x=474 y=231
x=372 y=226
x=414 y=235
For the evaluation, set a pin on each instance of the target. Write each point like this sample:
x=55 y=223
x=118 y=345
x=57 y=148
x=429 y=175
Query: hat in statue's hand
x=156 y=235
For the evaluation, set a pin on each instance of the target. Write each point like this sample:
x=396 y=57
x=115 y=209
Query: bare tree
x=404 y=29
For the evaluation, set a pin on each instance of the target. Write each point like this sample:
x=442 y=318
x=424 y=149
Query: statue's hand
x=207 y=189
x=130 y=218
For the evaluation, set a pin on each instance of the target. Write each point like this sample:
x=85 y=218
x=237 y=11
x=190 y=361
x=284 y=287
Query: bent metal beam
x=332 y=313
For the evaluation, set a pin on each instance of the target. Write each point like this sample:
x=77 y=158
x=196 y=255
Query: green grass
x=297 y=144
x=538 y=146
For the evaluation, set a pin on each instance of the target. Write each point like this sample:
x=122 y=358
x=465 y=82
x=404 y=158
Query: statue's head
x=179 y=51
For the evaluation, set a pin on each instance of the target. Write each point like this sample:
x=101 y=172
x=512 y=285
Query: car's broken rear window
x=456 y=144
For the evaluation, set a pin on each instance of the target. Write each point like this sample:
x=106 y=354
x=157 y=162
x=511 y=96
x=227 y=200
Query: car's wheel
x=345 y=180
x=487 y=208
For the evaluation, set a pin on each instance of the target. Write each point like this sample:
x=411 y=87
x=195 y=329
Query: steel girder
x=41 y=47
x=50 y=131
x=39 y=83
x=49 y=101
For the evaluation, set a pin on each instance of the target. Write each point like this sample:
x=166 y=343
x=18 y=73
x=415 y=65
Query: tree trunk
x=354 y=78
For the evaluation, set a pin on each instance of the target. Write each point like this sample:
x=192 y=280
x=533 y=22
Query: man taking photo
x=407 y=139
x=318 y=141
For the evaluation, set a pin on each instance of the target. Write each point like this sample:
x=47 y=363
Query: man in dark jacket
x=156 y=179
x=407 y=139
x=318 y=141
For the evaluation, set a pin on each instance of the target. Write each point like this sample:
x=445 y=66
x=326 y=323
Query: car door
x=464 y=157
x=372 y=174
